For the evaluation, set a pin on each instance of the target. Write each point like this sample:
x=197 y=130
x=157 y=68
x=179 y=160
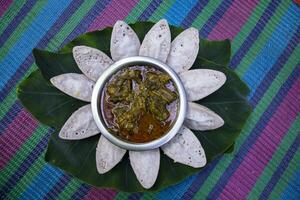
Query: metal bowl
x=96 y=103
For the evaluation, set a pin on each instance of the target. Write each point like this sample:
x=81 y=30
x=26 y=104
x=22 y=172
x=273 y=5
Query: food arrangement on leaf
x=139 y=104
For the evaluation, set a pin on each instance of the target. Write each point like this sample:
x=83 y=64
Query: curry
x=139 y=104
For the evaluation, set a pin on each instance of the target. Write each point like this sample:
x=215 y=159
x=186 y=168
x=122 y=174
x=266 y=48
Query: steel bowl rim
x=96 y=98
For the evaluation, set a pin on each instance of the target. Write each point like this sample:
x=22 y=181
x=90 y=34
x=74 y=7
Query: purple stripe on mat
x=193 y=13
x=255 y=32
x=117 y=9
x=233 y=20
x=10 y=116
x=280 y=62
x=4 y=5
x=15 y=134
x=255 y=133
x=41 y=44
x=58 y=187
x=214 y=18
x=81 y=192
x=16 y=21
x=21 y=171
x=281 y=168
x=101 y=194
x=149 y=10
x=264 y=147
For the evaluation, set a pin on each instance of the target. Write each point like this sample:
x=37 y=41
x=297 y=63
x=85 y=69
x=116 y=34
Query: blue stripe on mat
x=292 y=191
x=175 y=192
x=48 y=177
x=181 y=8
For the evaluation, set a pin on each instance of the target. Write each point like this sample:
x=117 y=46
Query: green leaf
x=97 y=39
x=52 y=107
x=78 y=158
x=216 y=51
x=46 y=103
x=53 y=64
x=230 y=149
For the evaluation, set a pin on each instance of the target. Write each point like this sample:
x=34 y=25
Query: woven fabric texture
x=265 y=54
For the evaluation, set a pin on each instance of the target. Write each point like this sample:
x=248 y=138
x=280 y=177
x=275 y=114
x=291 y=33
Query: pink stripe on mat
x=116 y=10
x=233 y=20
x=15 y=135
x=244 y=178
x=100 y=194
x=4 y=4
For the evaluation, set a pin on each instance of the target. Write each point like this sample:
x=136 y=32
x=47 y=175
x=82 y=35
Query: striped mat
x=265 y=53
